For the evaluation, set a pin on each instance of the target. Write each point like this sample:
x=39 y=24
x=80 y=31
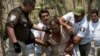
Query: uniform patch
x=82 y=29
x=12 y=18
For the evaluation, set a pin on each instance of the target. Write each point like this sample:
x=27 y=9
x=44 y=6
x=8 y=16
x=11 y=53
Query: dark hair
x=55 y=20
x=30 y=2
x=94 y=11
x=43 y=11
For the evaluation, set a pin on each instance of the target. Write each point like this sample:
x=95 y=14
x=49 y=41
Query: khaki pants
x=95 y=50
x=24 y=50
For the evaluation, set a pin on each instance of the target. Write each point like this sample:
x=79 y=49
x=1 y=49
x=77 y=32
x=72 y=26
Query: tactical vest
x=22 y=28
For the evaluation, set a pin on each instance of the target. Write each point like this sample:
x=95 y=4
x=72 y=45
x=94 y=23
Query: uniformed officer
x=79 y=26
x=18 y=29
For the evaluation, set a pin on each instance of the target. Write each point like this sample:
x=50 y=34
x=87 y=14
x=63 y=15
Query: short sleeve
x=82 y=32
x=36 y=33
x=68 y=16
x=83 y=29
x=12 y=18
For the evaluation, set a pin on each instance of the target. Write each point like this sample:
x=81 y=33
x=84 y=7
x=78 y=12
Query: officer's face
x=77 y=18
x=94 y=17
x=45 y=17
x=29 y=8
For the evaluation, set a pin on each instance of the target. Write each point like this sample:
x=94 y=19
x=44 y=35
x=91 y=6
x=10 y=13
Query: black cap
x=31 y=2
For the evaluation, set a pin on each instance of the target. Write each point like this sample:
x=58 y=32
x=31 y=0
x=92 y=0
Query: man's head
x=94 y=15
x=44 y=15
x=28 y=5
x=55 y=25
x=79 y=13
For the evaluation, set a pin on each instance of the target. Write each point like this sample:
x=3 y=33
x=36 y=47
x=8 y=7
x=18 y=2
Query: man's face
x=55 y=28
x=45 y=17
x=29 y=8
x=77 y=18
x=94 y=17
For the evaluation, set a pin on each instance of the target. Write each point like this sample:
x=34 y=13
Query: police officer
x=78 y=26
x=18 y=29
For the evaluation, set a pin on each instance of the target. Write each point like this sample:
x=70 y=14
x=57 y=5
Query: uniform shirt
x=21 y=24
x=80 y=28
x=95 y=31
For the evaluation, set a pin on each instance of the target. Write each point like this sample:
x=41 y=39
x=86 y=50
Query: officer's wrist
x=15 y=41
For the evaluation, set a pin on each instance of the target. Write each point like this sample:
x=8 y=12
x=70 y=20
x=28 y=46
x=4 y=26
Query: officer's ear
x=24 y=4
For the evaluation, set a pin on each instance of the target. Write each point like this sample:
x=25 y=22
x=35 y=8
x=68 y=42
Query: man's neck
x=45 y=23
x=95 y=21
x=23 y=9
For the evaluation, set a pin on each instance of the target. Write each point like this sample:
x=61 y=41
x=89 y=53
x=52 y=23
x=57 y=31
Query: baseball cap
x=31 y=2
x=79 y=10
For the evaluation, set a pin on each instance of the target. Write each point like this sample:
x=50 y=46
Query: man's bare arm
x=77 y=39
x=64 y=23
x=11 y=34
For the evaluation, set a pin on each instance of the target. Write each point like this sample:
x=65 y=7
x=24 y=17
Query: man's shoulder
x=84 y=20
x=84 y=23
x=69 y=13
x=69 y=16
x=99 y=20
x=15 y=11
x=90 y=21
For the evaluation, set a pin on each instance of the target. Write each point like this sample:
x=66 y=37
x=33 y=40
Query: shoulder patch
x=83 y=29
x=12 y=18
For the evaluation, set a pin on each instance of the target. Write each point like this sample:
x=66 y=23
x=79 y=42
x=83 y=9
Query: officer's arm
x=11 y=34
x=80 y=34
x=63 y=22
x=11 y=22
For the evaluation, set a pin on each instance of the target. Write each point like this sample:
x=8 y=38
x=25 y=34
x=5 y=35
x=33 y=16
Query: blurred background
x=56 y=8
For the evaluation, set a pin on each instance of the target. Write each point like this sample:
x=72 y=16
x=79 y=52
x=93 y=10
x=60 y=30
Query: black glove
x=47 y=30
x=17 y=47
